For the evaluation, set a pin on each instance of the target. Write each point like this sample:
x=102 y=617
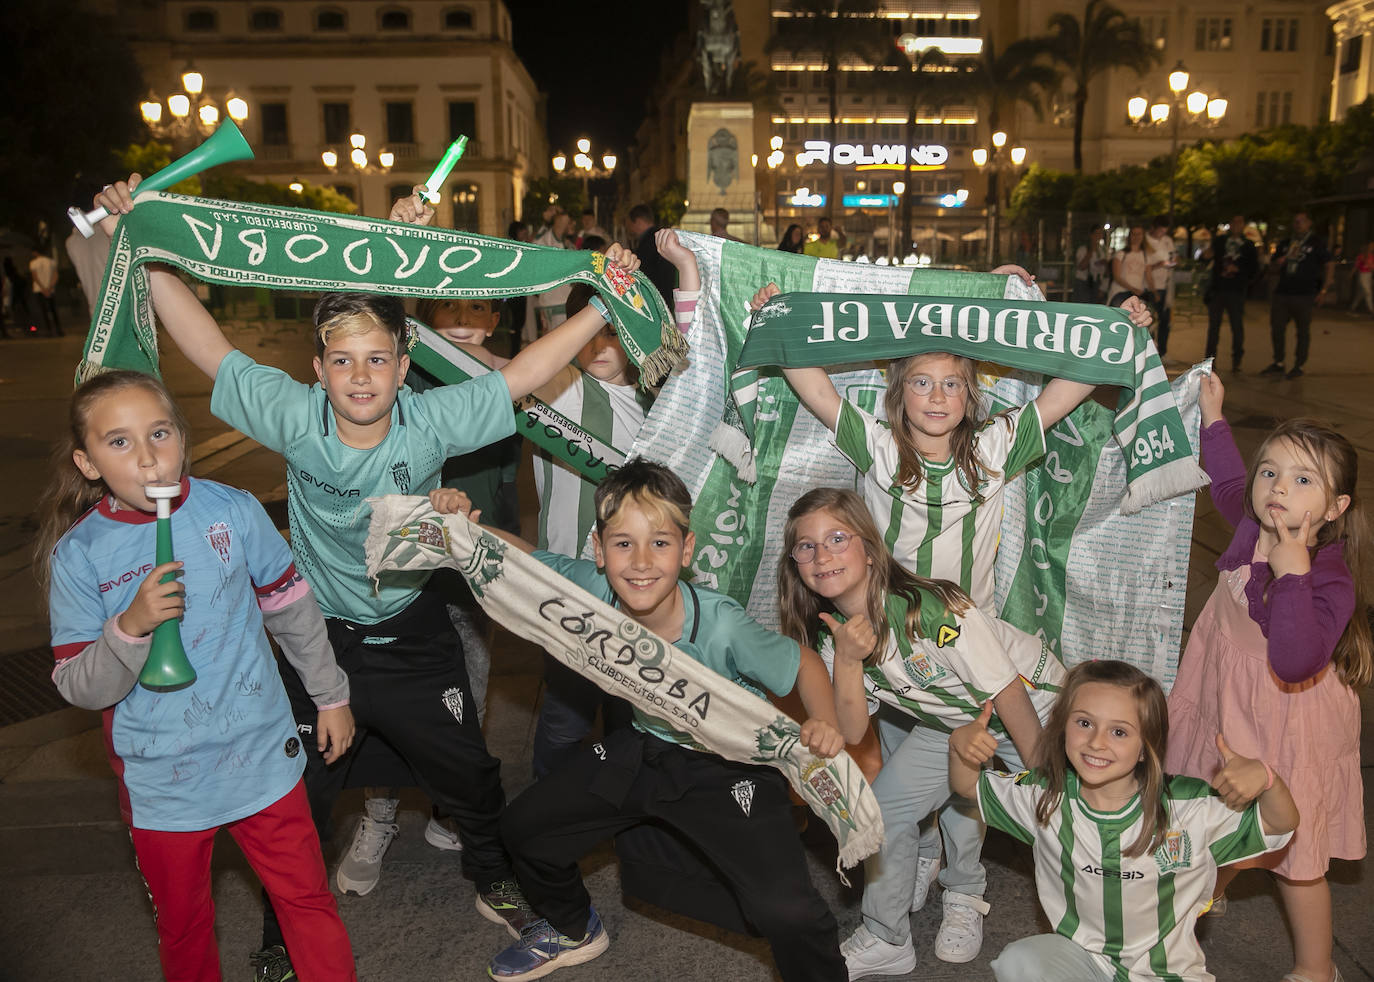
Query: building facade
x=407 y=77
x=1271 y=61
x=1352 y=80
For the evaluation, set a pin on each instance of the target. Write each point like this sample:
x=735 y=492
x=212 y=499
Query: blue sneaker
x=541 y=950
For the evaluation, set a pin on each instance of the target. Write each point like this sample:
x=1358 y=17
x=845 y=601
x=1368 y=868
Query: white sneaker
x=927 y=868
x=961 y=933
x=362 y=867
x=441 y=834
x=867 y=954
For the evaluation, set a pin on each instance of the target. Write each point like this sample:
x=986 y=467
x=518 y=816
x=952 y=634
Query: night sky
x=582 y=55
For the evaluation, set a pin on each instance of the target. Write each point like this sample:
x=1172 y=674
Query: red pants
x=281 y=845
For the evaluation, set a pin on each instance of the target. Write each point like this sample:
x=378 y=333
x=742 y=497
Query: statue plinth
x=720 y=170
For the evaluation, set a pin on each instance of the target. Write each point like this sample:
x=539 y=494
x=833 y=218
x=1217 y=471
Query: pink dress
x=1307 y=731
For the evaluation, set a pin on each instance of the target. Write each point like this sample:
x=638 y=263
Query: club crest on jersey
x=922 y=670
x=1176 y=852
x=453 y=700
x=400 y=473
x=948 y=634
x=219 y=536
x=743 y=793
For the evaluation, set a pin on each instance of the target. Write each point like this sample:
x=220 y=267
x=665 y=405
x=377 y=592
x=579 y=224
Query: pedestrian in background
x=791 y=239
x=1364 y=273
x=1306 y=270
x=1235 y=263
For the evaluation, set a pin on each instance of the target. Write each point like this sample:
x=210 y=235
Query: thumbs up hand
x=1241 y=779
x=972 y=742
x=854 y=639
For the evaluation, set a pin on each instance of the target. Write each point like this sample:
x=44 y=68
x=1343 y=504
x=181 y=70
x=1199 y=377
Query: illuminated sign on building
x=880 y=154
x=804 y=198
x=869 y=200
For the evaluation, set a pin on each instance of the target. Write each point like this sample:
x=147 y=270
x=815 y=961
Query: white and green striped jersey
x=613 y=414
x=943 y=529
x=957 y=663
x=1135 y=916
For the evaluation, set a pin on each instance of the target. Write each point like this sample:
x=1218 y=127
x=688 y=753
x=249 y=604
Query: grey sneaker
x=362 y=867
x=441 y=833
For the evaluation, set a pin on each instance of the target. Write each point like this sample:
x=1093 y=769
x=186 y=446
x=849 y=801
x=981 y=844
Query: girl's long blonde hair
x=800 y=609
x=971 y=471
x=1052 y=759
x=1338 y=464
x=70 y=493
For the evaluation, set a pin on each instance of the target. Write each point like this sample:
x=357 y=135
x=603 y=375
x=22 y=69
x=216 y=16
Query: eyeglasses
x=924 y=385
x=834 y=543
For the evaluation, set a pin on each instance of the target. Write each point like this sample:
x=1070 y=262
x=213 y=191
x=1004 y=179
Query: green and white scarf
x=1085 y=343
x=1068 y=591
x=293 y=249
x=625 y=659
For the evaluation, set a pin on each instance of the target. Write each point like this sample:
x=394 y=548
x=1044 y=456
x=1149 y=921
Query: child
x=356 y=434
x=920 y=646
x=223 y=752
x=487 y=476
x=933 y=475
x=1281 y=649
x=603 y=397
x=653 y=772
x=1125 y=856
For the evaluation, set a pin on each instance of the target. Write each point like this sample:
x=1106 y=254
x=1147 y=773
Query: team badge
x=922 y=670
x=743 y=793
x=948 y=634
x=219 y=535
x=484 y=565
x=400 y=473
x=1176 y=852
x=426 y=532
x=453 y=699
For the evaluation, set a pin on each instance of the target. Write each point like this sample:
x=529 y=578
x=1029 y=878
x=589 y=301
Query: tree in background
x=837 y=30
x=566 y=192
x=670 y=204
x=1020 y=75
x=1103 y=40
x=150 y=157
x=69 y=95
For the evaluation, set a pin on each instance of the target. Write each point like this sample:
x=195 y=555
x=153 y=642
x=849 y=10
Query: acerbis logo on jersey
x=948 y=634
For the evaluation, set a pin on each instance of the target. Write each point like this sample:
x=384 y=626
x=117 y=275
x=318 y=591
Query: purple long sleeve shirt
x=1301 y=616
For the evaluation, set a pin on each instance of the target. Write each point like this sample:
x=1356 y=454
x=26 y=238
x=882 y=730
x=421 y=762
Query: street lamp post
x=996 y=162
x=1202 y=108
x=588 y=169
x=190 y=112
x=357 y=157
x=774 y=161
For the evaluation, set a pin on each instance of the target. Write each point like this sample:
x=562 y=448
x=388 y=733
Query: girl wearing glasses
x=921 y=647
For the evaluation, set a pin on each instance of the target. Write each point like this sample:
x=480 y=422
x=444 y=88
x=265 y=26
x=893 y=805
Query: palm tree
x=1104 y=39
x=1023 y=73
x=930 y=82
x=838 y=30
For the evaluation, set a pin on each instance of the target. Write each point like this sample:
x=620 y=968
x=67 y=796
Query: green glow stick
x=435 y=181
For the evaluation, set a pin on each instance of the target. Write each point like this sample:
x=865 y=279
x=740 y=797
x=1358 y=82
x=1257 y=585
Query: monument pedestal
x=720 y=169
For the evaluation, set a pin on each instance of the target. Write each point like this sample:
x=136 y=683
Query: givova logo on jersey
x=1176 y=852
x=922 y=669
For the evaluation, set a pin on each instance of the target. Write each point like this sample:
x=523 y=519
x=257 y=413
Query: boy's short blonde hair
x=346 y=315
x=653 y=488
